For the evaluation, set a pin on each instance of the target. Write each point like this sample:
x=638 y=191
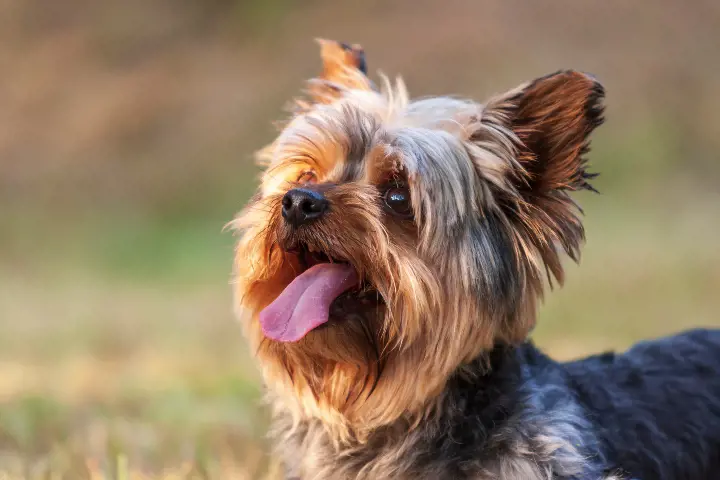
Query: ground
x=117 y=354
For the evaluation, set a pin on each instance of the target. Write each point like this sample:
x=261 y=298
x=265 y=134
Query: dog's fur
x=424 y=371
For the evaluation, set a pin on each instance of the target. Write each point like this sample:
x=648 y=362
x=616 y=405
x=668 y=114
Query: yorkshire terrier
x=388 y=275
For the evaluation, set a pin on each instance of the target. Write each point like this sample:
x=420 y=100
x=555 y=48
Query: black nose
x=300 y=206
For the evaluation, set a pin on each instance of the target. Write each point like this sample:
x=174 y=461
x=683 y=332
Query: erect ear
x=343 y=68
x=337 y=57
x=552 y=117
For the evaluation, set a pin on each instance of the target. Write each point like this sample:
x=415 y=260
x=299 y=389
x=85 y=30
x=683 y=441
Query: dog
x=388 y=273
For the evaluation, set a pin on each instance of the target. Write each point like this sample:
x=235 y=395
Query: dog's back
x=657 y=406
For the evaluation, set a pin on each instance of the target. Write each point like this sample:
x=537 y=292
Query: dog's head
x=393 y=240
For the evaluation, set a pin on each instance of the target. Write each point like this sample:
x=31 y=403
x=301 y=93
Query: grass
x=106 y=369
x=120 y=357
x=113 y=362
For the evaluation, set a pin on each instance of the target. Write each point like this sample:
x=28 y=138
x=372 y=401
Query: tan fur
x=426 y=327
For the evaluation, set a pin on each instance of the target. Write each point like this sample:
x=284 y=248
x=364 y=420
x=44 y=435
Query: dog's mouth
x=308 y=257
x=306 y=303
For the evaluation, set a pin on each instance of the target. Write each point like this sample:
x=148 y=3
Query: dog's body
x=390 y=268
x=650 y=413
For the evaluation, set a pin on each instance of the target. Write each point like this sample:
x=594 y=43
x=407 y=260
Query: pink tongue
x=305 y=303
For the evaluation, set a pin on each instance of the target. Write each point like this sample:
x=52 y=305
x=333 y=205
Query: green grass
x=650 y=268
x=118 y=350
x=120 y=357
x=105 y=368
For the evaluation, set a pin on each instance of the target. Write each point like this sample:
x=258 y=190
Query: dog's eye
x=307 y=177
x=397 y=199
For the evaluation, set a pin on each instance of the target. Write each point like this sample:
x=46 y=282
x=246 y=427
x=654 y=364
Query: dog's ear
x=338 y=57
x=552 y=117
x=343 y=68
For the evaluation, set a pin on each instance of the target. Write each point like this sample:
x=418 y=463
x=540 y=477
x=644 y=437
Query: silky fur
x=375 y=393
x=544 y=434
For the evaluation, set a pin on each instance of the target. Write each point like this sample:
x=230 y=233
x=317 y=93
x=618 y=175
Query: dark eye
x=397 y=200
x=307 y=177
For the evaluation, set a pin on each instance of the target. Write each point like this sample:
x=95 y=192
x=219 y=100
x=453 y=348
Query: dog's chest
x=308 y=454
x=501 y=426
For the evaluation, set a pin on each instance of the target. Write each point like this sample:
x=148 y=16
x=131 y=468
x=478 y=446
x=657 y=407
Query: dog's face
x=392 y=241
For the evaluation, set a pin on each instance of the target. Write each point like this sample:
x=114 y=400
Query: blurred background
x=126 y=134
